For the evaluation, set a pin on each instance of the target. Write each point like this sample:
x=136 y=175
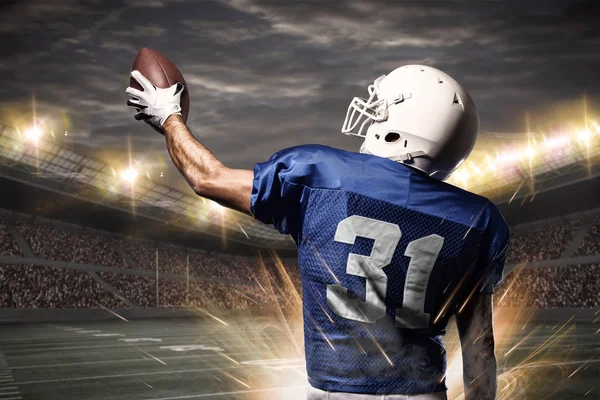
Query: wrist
x=172 y=122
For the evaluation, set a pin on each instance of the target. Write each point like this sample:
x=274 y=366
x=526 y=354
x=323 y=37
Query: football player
x=388 y=251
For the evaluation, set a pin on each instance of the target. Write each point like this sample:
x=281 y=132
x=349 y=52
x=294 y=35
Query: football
x=162 y=73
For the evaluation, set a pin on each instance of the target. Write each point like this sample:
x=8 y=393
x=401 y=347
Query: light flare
x=323 y=262
x=558 y=141
x=33 y=134
x=210 y=315
x=235 y=379
x=129 y=175
x=521 y=370
x=112 y=312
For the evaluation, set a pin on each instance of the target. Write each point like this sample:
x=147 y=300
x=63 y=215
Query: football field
x=209 y=358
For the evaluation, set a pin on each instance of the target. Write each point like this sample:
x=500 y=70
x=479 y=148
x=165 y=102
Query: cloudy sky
x=267 y=74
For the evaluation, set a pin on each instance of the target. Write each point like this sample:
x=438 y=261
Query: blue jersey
x=387 y=254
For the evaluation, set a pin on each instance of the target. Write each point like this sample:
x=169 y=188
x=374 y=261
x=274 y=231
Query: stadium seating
x=25 y=286
x=245 y=283
x=8 y=246
x=55 y=244
x=575 y=286
x=591 y=243
x=545 y=243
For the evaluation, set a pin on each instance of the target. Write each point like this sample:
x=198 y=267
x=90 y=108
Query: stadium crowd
x=575 y=286
x=544 y=243
x=8 y=246
x=235 y=282
x=591 y=243
x=55 y=244
x=26 y=286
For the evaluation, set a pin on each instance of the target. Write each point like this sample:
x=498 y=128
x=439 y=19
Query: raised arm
x=477 y=342
x=204 y=173
x=160 y=108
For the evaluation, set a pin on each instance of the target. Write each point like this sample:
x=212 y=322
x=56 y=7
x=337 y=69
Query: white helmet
x=416 y=115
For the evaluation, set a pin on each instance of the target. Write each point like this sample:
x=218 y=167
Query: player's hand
x=154 y=105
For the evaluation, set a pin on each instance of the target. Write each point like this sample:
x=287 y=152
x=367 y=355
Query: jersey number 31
x=423 y=253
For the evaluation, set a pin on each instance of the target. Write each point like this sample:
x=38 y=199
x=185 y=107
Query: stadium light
x=584 y=136
x=33 y=134
x=530 y=153
x=55 y=161
x=129 y=175
x=557 y=141
x=491 y=166
x=508 y=158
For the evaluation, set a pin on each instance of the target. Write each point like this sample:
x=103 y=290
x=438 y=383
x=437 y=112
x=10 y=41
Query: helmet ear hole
x=392 y=137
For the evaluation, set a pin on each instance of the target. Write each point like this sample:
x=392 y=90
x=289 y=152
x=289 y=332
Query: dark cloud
x=266 y=74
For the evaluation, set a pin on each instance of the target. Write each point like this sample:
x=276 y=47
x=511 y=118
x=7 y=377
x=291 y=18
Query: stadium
x=114 y=286
x=119 y=280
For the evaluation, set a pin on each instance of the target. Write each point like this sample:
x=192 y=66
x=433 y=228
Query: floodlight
x=33 y=134
x=129 y=175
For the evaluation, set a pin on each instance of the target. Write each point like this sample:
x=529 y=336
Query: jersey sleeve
x=492 y=253
x=278 y=188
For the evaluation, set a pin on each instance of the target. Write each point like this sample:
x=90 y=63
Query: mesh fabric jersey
x=387 y=255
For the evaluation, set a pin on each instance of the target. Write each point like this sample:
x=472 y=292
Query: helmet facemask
x=363 y=112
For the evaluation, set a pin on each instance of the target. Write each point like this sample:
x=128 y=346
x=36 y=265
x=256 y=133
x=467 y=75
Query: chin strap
x=406 y=157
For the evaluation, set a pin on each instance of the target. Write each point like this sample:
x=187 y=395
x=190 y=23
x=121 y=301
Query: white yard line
x=116 y=345
x=42 y=347
x=134 y=332
x=196 y=356
x=8 y=390
x=86 y=378
x=197 y=396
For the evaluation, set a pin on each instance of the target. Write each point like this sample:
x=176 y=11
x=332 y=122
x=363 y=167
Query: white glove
x=154 y=105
